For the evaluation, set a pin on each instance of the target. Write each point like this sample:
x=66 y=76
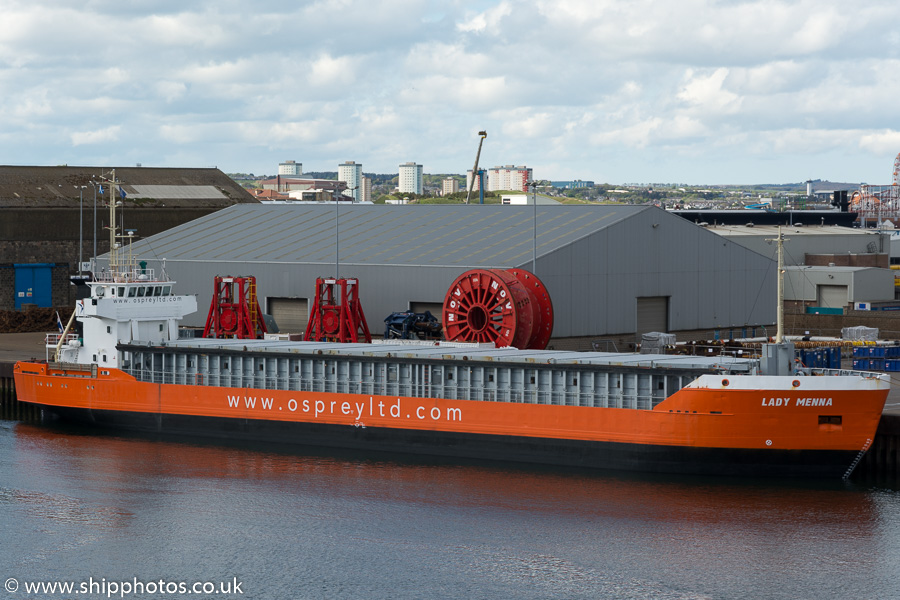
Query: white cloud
x=32 y=105
x=634 y=135
x=644 y=84
x=527 y=124
x=491 y=19
x=328 y=71
x=775 y=77
x=170 y=90
x=97 y=136
x=183 y=29
x=706 y=93
x=881 y=142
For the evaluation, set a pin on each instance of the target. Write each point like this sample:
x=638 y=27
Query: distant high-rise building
x=450 y=186
x=366 y=195
x=509 y=177
x=411 y=180
x=290 y=167
x=351 y=173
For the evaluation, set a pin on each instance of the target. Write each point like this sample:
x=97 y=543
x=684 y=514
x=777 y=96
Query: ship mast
x=778 y=357
x=120 y=264
x=113 y=250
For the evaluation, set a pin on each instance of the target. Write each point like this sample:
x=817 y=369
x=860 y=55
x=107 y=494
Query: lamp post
x=80 y=189
x=534 y=225
x=337 y=234
x=94 y=185
x=337 y=203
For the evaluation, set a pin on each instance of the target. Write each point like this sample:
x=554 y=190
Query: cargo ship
x=123 y=365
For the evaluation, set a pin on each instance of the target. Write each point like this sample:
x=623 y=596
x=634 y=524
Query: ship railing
x=125 y=275
x=844 y=373
x=52 y=339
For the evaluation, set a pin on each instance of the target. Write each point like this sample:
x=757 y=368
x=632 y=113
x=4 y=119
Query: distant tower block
x=290 y=167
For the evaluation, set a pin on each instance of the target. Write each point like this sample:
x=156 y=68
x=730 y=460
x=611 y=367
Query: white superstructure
x=127 y=302
x=124 y=306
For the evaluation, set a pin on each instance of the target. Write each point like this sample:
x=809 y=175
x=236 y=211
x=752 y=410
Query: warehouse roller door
x=831 y=296
x=434 y=308
x=652 y=314
x=291 y=314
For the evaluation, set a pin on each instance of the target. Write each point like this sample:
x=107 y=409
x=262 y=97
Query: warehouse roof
x=458 y=235
x=42 y=187
x=772 y=230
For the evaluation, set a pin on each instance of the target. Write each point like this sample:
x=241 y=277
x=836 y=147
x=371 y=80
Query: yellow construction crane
x=482 y=135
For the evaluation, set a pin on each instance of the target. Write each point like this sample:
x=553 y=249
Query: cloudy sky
x=686 y=91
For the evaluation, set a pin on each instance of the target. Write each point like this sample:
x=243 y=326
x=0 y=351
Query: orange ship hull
x=696 y=430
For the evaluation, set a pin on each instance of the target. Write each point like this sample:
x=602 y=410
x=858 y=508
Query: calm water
x=76 y=505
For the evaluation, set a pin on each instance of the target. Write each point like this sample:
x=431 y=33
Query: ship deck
x=392 y=349
x=429 y=370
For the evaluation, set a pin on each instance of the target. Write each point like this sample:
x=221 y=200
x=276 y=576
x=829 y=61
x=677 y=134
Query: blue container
x=861 y=364
x=834 y=358
x=815 y=359
x=876 y=364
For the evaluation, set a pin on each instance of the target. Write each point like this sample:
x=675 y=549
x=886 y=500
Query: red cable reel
x=507 y=308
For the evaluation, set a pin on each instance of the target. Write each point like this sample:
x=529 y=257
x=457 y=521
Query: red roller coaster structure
x=877 y=203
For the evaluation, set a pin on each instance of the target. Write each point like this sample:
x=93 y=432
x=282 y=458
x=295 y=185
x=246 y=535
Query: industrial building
x=826 y=266
x=814 y=245
x=56 y=217
x=610 y=270
x=829 y=290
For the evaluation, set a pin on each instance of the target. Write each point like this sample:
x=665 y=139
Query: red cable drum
x=542 y=328
x=508 y=308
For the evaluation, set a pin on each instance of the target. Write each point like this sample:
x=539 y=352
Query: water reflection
x=353 y=525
